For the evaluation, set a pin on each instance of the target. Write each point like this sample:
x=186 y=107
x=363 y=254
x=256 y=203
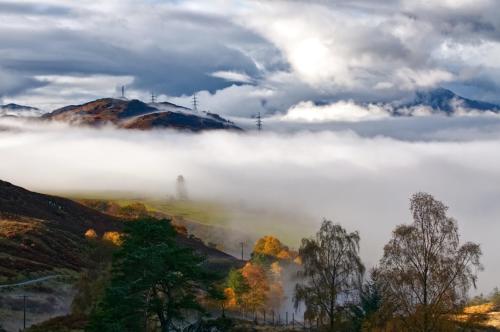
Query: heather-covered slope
x=41 y=233
x=134 y=114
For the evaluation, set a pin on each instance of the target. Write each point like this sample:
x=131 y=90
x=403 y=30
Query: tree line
x=420 y=283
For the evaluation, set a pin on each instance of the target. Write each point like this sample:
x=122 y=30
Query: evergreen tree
x=153 y=281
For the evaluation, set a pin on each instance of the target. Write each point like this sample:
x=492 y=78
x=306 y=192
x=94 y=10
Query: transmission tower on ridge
x=153 y=98
x=195 y=102
x=123 y=91
x=259 y=122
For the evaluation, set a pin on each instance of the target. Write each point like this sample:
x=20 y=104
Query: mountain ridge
x=135 y=114
x=442 y=100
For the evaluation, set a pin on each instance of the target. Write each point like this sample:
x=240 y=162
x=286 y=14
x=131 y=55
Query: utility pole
x=195 y=102
x=123 y=91
x=242 y=244
x=153 y=98
x=259 y=122
x=24 y=311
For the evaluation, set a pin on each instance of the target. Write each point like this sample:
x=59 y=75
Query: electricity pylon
x=259 y=122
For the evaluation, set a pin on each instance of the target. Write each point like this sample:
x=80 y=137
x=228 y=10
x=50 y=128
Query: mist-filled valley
x=281 y=184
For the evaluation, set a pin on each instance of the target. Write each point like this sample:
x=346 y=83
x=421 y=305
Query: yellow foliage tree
x=268 y=245
x=256 y=297
x=90 y=234
x=231 y=299
x=113 y=237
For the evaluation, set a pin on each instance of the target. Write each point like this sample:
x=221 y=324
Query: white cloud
x=233 y=76
x=410 y=79
x=339 y=111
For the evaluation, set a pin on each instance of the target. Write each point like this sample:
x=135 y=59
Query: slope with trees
x=154 y=281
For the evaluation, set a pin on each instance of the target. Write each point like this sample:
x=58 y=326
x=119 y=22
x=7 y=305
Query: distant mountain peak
x=13 y=106
x=446 y=101
x=16 y=110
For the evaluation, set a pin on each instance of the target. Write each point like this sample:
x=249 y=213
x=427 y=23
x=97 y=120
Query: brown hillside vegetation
x=41 y=232
x=484 y=315
x=135 y=114
x=100 y=111
x=177 y=121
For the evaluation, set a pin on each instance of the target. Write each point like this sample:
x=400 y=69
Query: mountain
x=17 y=110
x=441 y=100
x=42 y=232
x=135 y=114
x=17 y=107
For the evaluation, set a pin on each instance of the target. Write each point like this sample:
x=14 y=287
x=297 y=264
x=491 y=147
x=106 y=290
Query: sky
x=322 y=73
x=247 y=56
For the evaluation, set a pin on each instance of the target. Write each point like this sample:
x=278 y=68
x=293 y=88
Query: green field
x=203 y=212
x=288 y=226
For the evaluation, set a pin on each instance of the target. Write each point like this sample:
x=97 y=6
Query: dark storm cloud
x=291 y=51
x=185 y=47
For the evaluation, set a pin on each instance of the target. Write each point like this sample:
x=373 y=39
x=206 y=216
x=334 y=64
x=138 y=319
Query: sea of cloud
x=359 y=174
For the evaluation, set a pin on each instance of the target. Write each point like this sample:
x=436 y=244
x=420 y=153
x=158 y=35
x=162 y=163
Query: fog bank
x=362 y=181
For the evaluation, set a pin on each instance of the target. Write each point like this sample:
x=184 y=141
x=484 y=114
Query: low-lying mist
x=362 y=181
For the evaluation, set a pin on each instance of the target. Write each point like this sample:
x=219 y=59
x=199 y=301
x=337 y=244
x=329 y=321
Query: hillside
x=41 y=233
x=178 y=120
x=134 y=114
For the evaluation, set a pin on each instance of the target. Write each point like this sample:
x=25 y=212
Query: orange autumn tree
x=236 y=286
x=257 y=295
x=270 y=253
x=276 y=294
x=271 y=247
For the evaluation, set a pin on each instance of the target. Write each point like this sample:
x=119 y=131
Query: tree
x=331 y=272
x=269 y=245
x=153 y=280
x=93 y=280
x=235 y=287
x=371 y=312
x=269 y=248
x=425 y=271
x=237 y=282
x=257 y=295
